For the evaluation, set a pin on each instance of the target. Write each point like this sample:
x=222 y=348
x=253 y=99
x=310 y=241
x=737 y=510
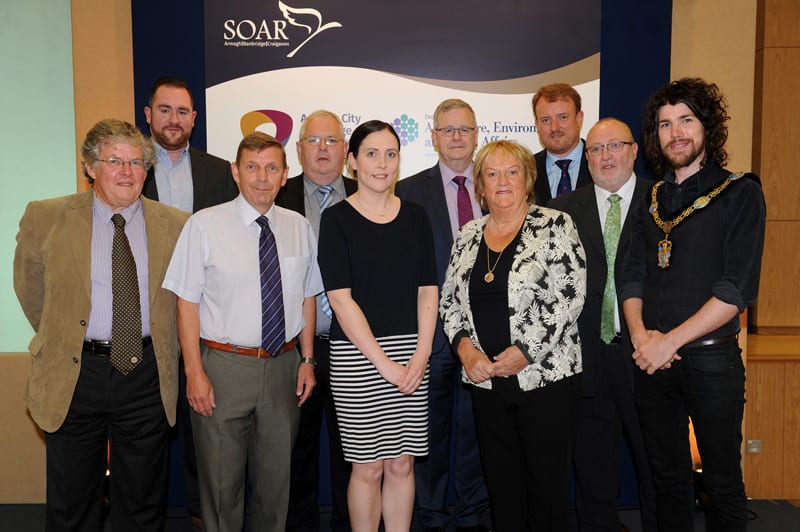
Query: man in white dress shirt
x=244 y=389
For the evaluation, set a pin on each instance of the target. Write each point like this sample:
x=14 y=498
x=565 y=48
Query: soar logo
x=272 y=33
x=254 y=120
x=406 y=128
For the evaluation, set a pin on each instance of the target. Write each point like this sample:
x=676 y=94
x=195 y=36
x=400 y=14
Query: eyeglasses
x=612 y=147
x=450 y=131
x=119 y=164
x=316 y=141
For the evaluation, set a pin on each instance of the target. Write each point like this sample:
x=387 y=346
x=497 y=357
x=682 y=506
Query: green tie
x=610 y=240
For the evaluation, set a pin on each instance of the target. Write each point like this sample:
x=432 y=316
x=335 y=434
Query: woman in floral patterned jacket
x=510 y=302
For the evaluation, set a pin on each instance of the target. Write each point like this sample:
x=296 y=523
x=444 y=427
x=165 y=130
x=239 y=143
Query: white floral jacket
x=546 y=290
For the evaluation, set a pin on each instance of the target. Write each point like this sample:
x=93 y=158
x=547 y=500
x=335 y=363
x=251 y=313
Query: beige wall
x=102 y=55
x=715 y=40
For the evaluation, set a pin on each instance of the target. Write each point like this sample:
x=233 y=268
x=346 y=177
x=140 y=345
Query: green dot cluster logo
x=406 y=128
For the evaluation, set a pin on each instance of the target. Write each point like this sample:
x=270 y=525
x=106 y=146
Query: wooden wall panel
x=764 y=421
x=778 y=308
x=780 y=16
x=779 y=157
x=791 y=442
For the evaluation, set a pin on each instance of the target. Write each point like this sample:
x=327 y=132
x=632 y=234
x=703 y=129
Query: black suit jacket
x=212 y=180
x=541 y=188
x=426 y=189
x=292 y=195
x=581 y=205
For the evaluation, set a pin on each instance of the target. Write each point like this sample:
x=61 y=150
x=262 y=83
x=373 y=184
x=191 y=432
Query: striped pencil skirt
x=375 y=420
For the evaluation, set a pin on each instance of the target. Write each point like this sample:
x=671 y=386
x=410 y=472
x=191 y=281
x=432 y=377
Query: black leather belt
x=102 y=348
x=616 y=340
x=712 y=341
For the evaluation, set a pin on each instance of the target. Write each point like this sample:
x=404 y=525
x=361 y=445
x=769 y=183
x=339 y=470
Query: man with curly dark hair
x=693 y=267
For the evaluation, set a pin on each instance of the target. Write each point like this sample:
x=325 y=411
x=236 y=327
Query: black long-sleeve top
x=716 y=251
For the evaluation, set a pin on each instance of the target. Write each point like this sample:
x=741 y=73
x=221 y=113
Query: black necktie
x=126 y=321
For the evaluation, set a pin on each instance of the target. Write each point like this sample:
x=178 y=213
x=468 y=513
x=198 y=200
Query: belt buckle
x=261 y=351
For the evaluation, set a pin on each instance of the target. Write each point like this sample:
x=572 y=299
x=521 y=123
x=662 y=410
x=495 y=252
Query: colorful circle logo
x=406 y=128
x=251 y=121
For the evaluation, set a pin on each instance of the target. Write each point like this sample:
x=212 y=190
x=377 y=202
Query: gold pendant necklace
x=665 y=245
x=489 y=277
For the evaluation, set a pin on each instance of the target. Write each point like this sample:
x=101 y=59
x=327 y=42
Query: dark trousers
x=708 y=386
x=526 y=441
x=449 y=417
x=127 y=410
x=184 y=428
x=304 y=492
x=603 y=418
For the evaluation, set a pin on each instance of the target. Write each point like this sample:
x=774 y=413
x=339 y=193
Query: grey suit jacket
x=212 y=181
x=52 y=279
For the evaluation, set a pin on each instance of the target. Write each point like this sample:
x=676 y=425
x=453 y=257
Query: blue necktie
x=324 y=203
x=564 y=184
x=273 y=325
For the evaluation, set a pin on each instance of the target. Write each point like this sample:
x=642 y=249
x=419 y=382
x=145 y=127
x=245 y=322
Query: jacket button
x=83 y=323
x=75 y=359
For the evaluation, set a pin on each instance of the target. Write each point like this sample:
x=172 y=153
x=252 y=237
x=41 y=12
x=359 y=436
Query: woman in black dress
x=377 y=261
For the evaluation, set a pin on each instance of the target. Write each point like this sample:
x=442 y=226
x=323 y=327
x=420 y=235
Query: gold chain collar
x=665 y=246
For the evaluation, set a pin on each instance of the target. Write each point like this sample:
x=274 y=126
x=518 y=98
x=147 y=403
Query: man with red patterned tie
x=447 y=192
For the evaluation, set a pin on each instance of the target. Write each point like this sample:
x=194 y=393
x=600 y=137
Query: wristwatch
x=308 y=360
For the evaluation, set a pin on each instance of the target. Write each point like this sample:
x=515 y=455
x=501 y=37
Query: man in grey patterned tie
x=244 y=387
x=321 y=151
x=607 y=410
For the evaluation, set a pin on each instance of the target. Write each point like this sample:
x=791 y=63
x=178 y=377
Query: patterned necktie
x=564 y=184
x=463 y=202
x=126 y=320
x=324 y=203
x=611 y=241
x=273 y=326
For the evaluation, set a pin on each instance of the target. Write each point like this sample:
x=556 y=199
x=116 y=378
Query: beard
x=171 y=141
x=685 y=158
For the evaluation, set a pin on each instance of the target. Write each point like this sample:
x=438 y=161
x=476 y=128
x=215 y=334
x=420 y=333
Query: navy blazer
x=581 y=205
x=426 y=189
x=212 y=180
x=541 y=187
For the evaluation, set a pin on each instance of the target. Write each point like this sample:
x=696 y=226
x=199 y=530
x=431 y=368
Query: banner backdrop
x=269 y=63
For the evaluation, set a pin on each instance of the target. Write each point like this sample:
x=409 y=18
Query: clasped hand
x=653 y=352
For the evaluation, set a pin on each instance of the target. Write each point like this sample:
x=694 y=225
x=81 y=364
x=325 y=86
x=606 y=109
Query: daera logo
x=272 y=33
x=252 y=121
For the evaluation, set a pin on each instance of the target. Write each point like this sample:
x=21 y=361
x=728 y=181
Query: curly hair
x=113 y=131
x=707 y=103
